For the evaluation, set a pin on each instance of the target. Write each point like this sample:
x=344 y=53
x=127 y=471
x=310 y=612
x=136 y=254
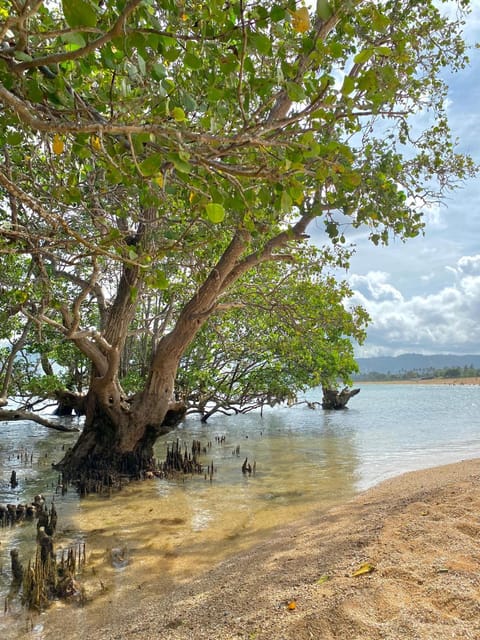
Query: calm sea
x=304 y=459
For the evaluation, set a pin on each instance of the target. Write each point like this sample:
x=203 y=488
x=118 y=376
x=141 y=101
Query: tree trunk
x=118 y=436
x=69 y=402
x=334 y=399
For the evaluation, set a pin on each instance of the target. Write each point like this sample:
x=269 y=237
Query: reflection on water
x=155 y=534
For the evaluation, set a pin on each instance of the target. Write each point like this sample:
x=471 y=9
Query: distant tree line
x=468 y=371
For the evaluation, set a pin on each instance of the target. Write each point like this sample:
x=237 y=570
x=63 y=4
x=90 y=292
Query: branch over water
x=11 y=415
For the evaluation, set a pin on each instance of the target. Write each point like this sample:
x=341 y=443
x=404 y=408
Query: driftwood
x=334 y=399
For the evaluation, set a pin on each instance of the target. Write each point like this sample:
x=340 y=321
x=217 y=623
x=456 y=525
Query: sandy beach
x=414 y=540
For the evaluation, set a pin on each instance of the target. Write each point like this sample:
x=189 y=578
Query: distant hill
x=415 y=362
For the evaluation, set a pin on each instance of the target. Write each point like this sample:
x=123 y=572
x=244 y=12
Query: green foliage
x=132 y=381
x=141 y=141
x=428 y=373
x=293 y=332
x=44 y=386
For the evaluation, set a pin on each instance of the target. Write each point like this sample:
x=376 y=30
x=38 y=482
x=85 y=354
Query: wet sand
x=419 y=534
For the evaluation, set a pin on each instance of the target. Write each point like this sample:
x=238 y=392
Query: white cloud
x=377 y=285
x=434 y=217
x=469 y=264
x=446 y=320
x=424 y=295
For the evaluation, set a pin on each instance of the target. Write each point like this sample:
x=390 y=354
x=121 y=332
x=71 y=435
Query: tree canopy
x=159 y=154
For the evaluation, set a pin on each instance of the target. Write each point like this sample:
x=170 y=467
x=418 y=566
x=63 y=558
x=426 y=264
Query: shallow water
x=157 y=533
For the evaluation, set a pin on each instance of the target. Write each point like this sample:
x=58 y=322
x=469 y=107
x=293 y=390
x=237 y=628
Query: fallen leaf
x=323 y=579
x=364 y=568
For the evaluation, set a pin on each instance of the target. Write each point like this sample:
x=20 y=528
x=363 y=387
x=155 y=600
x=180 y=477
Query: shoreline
x=419 y=532
x=444 y=381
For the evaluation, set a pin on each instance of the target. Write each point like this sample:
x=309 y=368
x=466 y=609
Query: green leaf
x=352 y=180
x=79 y=13
x=22 y=56
x=192 y=61
x=188 y=102
x=295 y=92
x=332 y=229
x=114 y=175
x=179 y=161
x=171 y=54
x=179 y=114
x=133 y=294
x=383 y=51
x=215 y=93
x=159 y=281
x=277 y=13
x=14 y=138
x=363 y=56
x=348 y=85
x=286 y=201
x=142 y=67
x=380 y=21
x=215 y=212
x=158 y=71
x=336 y=49
x=151 y=165
x=260 y=42
x=324 y=10
x=75 y=39
x=34 y=90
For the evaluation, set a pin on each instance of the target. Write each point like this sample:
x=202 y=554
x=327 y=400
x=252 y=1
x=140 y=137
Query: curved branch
x=7 y=373
x=56 y=221
x=282 y=239
x=321 y=30
x=55 y=58
x=201 y=305
x=10 y=415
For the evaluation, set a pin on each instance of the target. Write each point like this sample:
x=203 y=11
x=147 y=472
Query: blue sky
x=424 y=295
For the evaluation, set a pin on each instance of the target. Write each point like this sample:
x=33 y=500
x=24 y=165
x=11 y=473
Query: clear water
x=168 y=530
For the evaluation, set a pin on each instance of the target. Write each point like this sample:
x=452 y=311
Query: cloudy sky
x=424 y=296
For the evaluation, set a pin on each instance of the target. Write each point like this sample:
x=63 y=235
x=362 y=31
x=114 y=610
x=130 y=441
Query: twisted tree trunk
x=120 y=433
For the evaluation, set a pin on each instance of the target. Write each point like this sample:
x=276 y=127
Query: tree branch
x=10 y=415
x=55 y=58
x=55 y=221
